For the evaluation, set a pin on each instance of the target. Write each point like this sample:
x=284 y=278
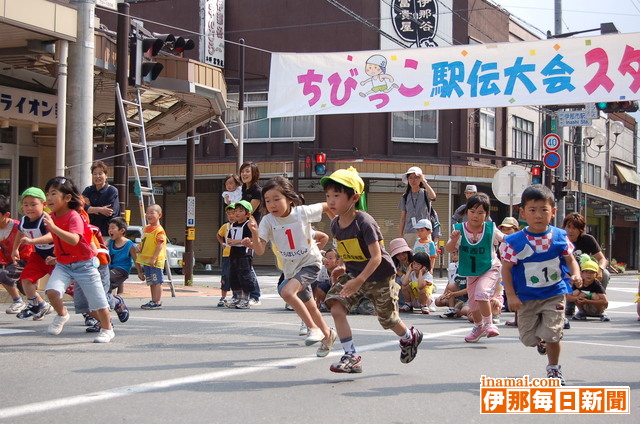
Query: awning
x=627 y=175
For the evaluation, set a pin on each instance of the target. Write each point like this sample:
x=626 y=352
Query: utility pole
x=241 y=106
x=80 y=122
x=191 y=189
x=122 y=78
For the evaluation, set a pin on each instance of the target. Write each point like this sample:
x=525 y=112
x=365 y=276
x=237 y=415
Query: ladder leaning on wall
x=140 y=171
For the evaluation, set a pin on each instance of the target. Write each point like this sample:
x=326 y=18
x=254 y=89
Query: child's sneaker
x=327 y=344
x=89 y=321
x=409 y=348
x=349 y=363
x=451 y=313
x=152 y=305
x=406 y=308
x=57 y=325
x=16 y=307
x=554 y=371
x=254 y=302
x=604 y=317
x=233 y=303
x=105 y=336
x=315 y=336
x=580 y=316
x=26 y=313
x=476 y=334
x=491 y=330
x=222 y=302
x=38 y=315
x=567 y=324
x=243 y=304
x=495 y=320
x=303 y=331
x=94 y=328
x=542 y=347
x=121 y=309
x=432 y=307
x=424 y=310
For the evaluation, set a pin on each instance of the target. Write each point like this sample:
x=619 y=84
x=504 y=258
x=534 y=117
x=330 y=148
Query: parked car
x=175 y=253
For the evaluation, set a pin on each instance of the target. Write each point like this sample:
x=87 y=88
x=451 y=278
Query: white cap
x=413 y=170
x=471 y=189
x=423 y=223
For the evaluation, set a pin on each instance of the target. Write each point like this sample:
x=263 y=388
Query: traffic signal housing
x=321 y=164
x=536 y=175
x=141 y=53
x=559 y=189
x=621 y=106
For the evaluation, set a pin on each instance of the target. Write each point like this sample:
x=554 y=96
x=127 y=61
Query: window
x=488 y=128
x=420 y=126
x=594 y=175
x=524 y=146
x=259 y=128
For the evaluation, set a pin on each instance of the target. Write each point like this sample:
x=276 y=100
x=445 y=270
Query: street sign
x=601 y=211
x=551 y=141
x=158 y=191
x=191 y=211
x=509 y=183
x=591 y=111
x=551 y=160
x=573 y=118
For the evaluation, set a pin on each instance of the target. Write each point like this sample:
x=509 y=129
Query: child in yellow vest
x=152 y=254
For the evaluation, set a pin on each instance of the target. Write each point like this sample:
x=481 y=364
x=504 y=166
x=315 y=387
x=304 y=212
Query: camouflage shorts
x=382 y=294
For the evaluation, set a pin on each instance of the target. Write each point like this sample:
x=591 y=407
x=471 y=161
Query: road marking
x=5 y=331
x=117 y=392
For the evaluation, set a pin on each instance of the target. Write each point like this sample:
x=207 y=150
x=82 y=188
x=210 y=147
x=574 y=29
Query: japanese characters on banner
x=416 y=23
x=27 y=105
x=212 y=43
x=546 y=72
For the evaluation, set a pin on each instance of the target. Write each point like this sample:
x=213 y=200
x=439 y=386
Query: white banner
x=212 y=42
x=25 y=105
x=547 y=72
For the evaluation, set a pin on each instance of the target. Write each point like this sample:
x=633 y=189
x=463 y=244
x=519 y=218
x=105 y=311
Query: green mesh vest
x=475 y=259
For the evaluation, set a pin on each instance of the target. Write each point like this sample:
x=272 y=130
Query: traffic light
x=622 y=106
x=321 y=164
x=559 y=189
x=175 y=45
x=141 y=54
x=536 y=175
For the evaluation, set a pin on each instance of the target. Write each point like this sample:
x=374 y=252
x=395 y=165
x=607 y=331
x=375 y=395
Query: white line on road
x=117 y=392
x=5 y=331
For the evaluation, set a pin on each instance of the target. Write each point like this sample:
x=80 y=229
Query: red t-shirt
x=7 y=237
x=66 y=253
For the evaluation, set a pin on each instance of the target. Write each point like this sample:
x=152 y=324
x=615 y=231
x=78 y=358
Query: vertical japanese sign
x=27 y=105
x=212 y=45
x=576 y=70
x=416 y=23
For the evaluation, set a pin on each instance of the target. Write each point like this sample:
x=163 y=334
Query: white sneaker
x=105 y=336
x=303 y=329
x=315 y=336
x=56 y=326
x=432 y=308
x=16 y=307
x=254 y=302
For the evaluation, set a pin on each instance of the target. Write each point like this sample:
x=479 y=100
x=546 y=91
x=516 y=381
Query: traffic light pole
x=122 y=74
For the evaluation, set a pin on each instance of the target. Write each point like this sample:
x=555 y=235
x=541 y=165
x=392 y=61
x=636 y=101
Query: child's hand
x=576 y=280
x=141 y=276
x=153 y=261
x=48 y=221
x=15 y=255
x=350 y=288
x=246 y=242
x=253 y=225
x=455 y=235
x=514 y=303
x=51 y=260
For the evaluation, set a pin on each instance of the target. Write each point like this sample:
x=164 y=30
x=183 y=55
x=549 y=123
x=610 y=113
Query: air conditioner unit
x=613 y=180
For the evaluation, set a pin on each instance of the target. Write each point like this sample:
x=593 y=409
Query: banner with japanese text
x=25 y=105
x=546 y=72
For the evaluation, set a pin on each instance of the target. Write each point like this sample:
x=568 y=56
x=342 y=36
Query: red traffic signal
x=536 y=175
x=321 y=164
x=321 y=158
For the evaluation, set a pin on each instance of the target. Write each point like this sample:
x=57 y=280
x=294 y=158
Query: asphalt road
x=192 y=362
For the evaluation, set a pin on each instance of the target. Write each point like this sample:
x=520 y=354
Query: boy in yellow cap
x=370 y=270
x=590 y=298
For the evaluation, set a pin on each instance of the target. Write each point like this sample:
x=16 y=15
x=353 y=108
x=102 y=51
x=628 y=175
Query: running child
x=534 y=274
x=152 y=254
x=370 y=270
x=123 y=256
x=34 y=233
x=288 y=226
x=476 y=242
x=75 y=257
x=10 y=269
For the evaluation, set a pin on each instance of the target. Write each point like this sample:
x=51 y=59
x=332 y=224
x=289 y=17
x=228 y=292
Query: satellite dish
x=509 y=183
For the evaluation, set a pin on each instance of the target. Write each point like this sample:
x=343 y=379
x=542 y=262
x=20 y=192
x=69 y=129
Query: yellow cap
x=346 y=177
x=590 y=266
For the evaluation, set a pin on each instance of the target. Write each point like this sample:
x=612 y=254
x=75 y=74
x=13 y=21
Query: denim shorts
x=86 y=276
x=225 y=283
x=80 y=303
x=153 y=275
x=306 y=276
